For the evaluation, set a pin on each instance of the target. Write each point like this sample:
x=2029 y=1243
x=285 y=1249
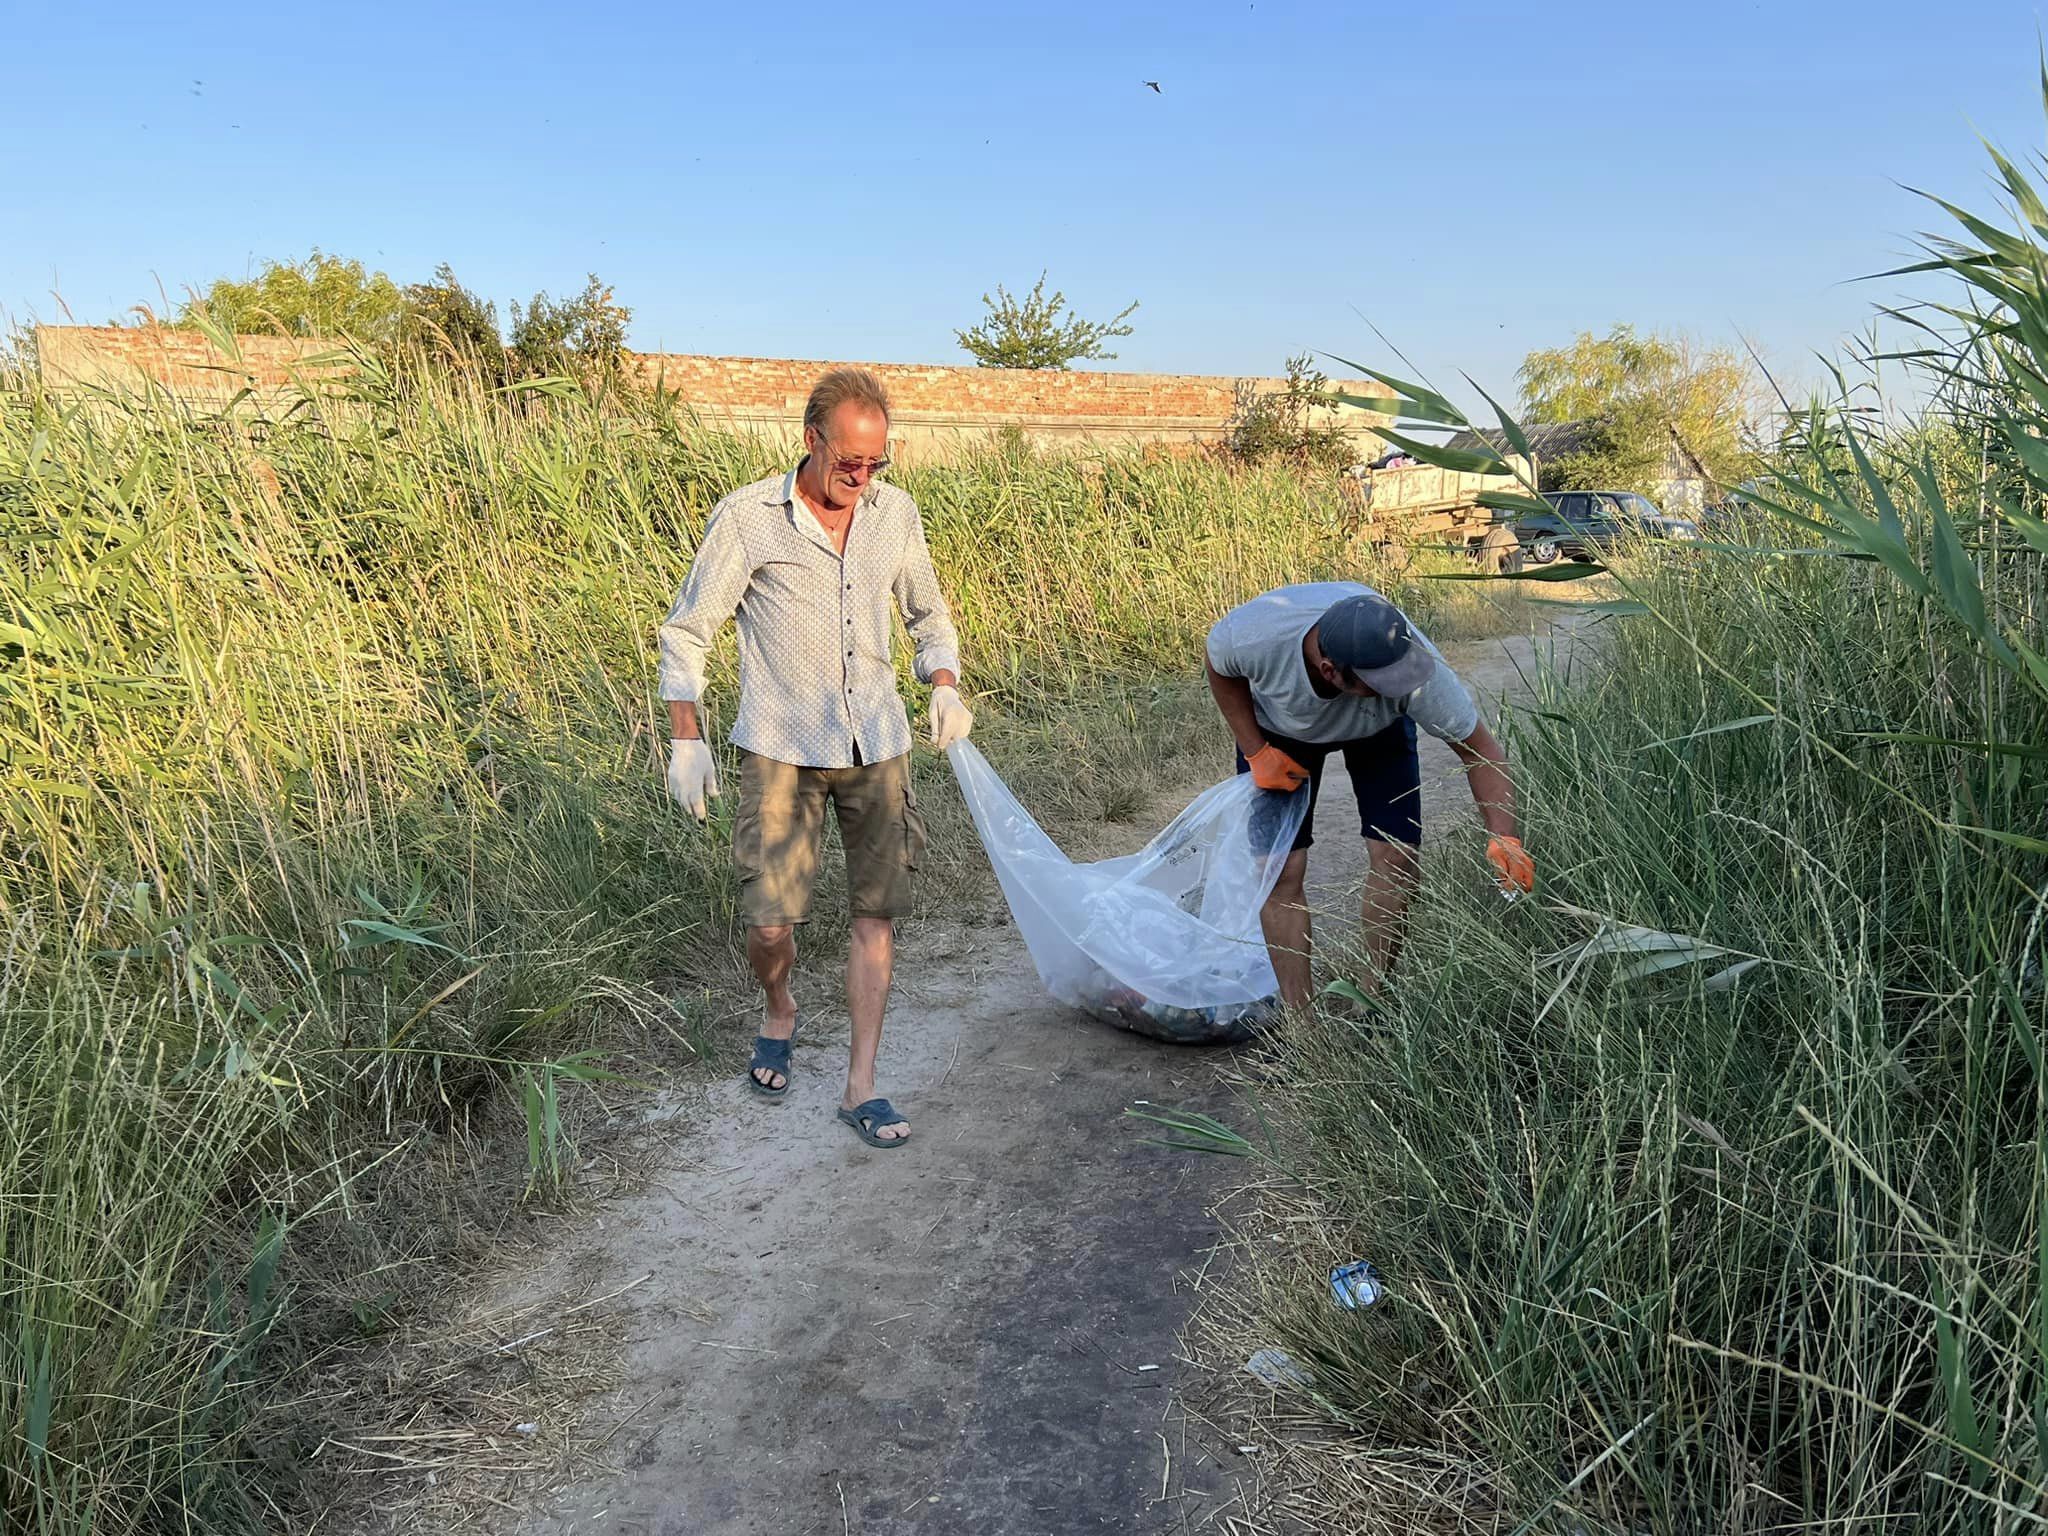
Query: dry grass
x=455 y=1422
x=1313 y=1468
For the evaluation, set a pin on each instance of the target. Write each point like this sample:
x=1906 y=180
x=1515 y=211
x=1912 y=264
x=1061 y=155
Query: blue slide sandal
x=870 y=1117
x=770 y=1056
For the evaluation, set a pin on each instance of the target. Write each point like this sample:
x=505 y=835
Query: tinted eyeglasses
x=847 y=466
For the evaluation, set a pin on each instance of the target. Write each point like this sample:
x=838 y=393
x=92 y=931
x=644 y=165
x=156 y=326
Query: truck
x=1418 y=504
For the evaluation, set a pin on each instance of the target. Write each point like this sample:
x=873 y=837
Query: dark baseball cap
x=1371 y=638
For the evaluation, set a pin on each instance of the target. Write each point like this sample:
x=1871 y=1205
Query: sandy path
x=948 y=1338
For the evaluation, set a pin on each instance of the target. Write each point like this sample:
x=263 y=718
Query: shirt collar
x=792 y=500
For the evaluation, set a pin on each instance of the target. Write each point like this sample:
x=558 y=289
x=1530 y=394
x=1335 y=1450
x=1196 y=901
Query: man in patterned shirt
x=812 y=562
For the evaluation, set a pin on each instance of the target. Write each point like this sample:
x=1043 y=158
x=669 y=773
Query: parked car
x=1587 y=524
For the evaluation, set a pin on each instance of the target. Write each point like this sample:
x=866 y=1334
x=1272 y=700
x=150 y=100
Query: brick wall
x=935 y=405
x=183 y=362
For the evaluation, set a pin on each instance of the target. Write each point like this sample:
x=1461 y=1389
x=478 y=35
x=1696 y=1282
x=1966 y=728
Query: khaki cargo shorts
x=781 y=826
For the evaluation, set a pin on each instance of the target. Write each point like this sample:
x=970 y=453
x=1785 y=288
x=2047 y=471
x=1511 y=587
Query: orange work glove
x=1274 y=769
x=1512 y=866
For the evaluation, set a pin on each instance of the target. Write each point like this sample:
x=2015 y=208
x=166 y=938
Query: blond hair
x=837 y=387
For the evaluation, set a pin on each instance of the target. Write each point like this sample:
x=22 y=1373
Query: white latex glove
x=692 y=776
x=951 y=718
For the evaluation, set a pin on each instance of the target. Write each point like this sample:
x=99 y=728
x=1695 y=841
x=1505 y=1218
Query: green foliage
x=1651 y=404
x=441 y=323
x=320 y=296
x=1291 y=425
x=584 y=336
x=1714 y=1184
x=1033 y=334
x=449 y=326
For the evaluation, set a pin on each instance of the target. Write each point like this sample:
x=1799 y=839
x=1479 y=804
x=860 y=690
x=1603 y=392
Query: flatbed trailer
x=1421 y=505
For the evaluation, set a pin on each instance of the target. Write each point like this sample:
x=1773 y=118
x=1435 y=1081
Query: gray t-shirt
x=1260 y=641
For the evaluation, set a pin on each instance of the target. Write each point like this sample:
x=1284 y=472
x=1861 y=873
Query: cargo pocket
x=913 y=828
x=747 y=843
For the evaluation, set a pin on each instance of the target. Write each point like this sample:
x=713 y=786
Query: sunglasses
x=852 y=466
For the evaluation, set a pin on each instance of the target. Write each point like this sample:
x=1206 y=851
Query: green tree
x=447 y=325
x=585 y=335
x=1034 y=334
x=320 y=296
x=1647 y=402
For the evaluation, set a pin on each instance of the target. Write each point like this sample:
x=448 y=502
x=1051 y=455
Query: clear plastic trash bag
x=1165 y=941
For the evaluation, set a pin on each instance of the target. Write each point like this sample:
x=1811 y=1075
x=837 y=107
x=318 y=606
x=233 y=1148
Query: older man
x=1306 y=671
x=813 y=561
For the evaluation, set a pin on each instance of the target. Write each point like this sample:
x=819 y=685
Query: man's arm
x=1271 y=768
x=924 y=612
x=716 y=583
x=1486 y=765
x=1233 y=697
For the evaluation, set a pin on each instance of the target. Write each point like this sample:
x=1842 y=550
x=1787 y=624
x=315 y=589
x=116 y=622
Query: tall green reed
x=1715 y=1179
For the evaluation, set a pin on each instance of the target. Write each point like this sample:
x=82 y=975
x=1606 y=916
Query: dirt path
x=978 y=1333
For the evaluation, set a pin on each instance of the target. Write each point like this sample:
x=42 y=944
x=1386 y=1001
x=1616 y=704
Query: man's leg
x=1389 y=886
x=1285 y=914
x=870 y=966
x=772 y=953
x=1386 y=775
x=775 y=850
x=1285 y=919
x=884 y=835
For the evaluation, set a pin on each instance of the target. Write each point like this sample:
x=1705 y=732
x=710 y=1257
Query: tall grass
x=1712 y=1185
x=333 y=819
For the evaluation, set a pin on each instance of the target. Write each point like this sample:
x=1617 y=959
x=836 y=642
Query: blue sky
x=846 y=181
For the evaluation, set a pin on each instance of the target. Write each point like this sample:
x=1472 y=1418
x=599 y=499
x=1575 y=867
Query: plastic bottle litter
x=1276 y=1368
x=1357 y=1285
x=1164 y=942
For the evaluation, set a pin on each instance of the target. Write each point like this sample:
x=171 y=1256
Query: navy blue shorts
x=1386 y=776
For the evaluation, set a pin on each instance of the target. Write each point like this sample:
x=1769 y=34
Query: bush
x=320 y=296
x=447 y=326
x=584 y=337
x=1291 y=425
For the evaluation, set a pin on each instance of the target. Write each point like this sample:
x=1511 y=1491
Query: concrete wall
x=935 y=406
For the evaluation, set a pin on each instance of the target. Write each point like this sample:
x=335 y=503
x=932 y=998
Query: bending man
x=1306 y=671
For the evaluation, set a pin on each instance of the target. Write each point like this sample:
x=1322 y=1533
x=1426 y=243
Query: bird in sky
x=1155 y=87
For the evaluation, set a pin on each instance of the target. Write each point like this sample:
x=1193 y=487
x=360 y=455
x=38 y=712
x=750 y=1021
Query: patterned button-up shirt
x=817 y=680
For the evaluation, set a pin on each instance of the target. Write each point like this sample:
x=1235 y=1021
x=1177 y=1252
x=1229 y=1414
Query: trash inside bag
x=1165 y=941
